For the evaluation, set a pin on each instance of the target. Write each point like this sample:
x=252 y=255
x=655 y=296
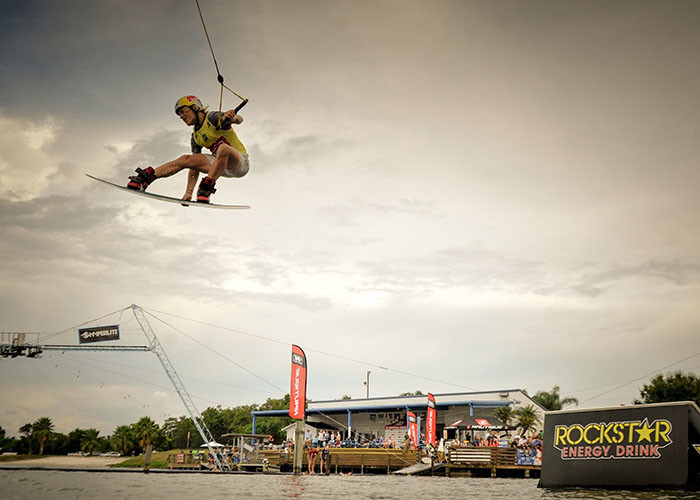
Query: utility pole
x=367 y=383
x=298 y=458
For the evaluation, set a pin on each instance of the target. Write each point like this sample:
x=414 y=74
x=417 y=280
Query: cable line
x=217 y=353
x=49 y=335
x=366 y=363
x=639 y=378
x=126 y=398
x=219 y=76
x=211 y=49
x=165 y=388
x=208 y=381
x=63 y=396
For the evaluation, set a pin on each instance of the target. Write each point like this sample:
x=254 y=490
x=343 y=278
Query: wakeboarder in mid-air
x=212 y=130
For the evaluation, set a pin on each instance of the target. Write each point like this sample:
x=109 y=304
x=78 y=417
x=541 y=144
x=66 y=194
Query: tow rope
x=219 y=76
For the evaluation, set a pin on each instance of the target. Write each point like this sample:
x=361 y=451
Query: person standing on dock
x=325 y=453
x=312 y=454
x=406 y=445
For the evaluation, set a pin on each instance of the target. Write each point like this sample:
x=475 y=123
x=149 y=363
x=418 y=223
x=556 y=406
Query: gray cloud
x=293 y=151
x=676 y=272
x=486 y=179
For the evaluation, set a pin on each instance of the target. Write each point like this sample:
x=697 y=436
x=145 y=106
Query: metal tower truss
x=14 y=344
x=194 y=414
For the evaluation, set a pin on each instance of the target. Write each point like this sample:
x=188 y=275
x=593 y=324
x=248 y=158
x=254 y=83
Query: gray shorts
x=238 y=171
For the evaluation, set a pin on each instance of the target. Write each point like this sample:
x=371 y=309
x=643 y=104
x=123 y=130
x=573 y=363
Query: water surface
x=50 y=485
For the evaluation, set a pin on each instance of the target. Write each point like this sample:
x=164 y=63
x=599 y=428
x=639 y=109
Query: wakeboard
x=170 y=199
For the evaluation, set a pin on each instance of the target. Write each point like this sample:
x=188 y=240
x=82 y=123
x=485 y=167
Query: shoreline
x=137 y=470
x=63 y=461
x=96 y=464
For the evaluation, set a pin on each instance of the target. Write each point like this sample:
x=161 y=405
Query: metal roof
x=512 y=395
x=382 y=407
x=422 y=396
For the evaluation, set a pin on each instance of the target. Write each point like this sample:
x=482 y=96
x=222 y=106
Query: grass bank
x=158 y=460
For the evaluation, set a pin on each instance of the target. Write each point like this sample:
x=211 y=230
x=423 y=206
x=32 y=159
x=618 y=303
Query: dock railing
x=360 y=460
x=470 y=455
x=484 y=456
x=481 y=460
x=183 y=460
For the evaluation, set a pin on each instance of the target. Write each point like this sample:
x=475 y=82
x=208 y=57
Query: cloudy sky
x=453 y=195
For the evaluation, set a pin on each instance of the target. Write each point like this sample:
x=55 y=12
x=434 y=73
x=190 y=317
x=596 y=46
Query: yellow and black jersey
x=211 y=137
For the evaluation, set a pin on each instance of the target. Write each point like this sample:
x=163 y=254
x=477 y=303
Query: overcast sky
x=475 y=195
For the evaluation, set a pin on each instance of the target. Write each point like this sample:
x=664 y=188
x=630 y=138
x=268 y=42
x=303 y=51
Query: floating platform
x=419 y=469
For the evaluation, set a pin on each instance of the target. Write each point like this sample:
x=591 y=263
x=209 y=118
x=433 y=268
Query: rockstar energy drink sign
x=622 y=447
x=620 y=440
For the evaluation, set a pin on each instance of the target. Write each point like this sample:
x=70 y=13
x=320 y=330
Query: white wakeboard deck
x=170 y=199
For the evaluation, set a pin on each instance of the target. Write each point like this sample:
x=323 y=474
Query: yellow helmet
x=189 y=100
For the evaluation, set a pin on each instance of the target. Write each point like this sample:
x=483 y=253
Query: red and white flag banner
x=297 y=391
x=412 y=427
x=430 y=423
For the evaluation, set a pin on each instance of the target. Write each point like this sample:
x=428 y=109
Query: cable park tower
x=13 y=345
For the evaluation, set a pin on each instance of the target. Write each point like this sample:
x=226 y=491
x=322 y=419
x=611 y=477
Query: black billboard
x=98 y=334
x=630 y=446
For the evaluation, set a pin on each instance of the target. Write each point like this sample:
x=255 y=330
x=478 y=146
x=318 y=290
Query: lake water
x=49 y=485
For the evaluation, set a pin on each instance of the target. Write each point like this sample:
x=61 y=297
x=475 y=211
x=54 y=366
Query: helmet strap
x=198 y=122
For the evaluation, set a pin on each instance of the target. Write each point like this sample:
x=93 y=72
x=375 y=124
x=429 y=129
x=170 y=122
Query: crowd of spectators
x=528 y=448
x=317 y=446
x=333 y=439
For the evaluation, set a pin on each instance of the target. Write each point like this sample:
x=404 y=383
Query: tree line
x=179 y=432
x=677 y=386
x=40 y=438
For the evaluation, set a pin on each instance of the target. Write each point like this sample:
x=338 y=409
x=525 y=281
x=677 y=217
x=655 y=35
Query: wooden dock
x=350 y=460
x=419 y=469
x=487 y=461
x=469 y=462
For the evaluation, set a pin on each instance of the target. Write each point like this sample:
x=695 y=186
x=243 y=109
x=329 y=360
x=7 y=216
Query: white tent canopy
x=212 y=444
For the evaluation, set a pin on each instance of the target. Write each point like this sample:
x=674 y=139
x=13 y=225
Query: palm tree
x=505 y=414
x=123 y=439
x=42 y=429
x=145 y=431
x=26 y=431
x=527 y=418
x=90 y=441
x=552 y=400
